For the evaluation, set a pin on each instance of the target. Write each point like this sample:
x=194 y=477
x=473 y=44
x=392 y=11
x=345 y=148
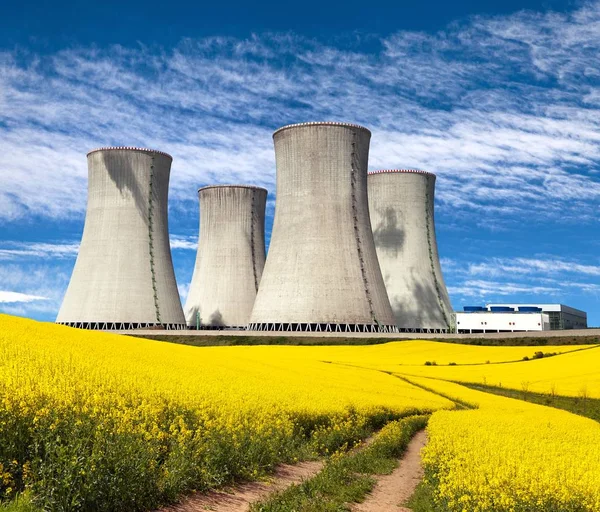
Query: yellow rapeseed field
x=395 y=356
x=95 y=421
x=574 y=374
x=509 y=455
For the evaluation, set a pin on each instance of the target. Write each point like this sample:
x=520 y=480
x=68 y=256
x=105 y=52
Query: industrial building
x=123 y=277
x=561 y=316
x=519 y=317
x=230 y=257
x=478 y=319
x=322 y=272
x=401 y=205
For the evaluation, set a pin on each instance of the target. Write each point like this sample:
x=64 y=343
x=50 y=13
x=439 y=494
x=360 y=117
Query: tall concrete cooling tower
x=123 y=277
x=230 y=258
x=322 y=272
x=401 y=207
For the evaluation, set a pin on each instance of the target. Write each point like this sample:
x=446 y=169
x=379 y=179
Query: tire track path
x=240 y=497
x=391 y=491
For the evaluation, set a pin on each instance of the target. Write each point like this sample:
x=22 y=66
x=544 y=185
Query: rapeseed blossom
x=576 y=373
x=396 y=356
x=508 y=455
x=94 y=421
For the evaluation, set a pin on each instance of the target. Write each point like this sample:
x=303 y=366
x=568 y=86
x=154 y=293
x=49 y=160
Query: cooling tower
x=322 y=272
x=230 y=258
x=401 y=207
x=123 y=277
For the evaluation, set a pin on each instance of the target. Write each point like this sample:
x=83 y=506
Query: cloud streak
x=14 y=250
x=504 y=109
x=14 y=297
x=529 y=266
x=482 y=289
x=186 y=243
x=520 y=277
x=33 y=288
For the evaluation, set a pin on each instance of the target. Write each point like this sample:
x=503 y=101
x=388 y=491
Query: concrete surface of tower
x=401 y=204
x=322 y=271
x=230 y=258
x=123 y=277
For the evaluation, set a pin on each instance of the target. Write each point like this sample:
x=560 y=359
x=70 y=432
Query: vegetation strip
x=460 y=404
x=21 y=503
x=422 y=500
x=582 y=405
x=210 y=340
x=536 y=355
x=347 y=477
x=526 y=341
x=232 y=340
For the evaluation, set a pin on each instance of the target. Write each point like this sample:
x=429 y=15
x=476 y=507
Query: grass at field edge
x=348 y=477
x=581 y=405
x=422 y=499
x=21 y=503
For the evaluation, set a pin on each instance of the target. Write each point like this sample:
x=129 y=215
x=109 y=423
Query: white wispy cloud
x=13 y=250
x=40 y=286
x=482 y=288
x=537 y=276
x=529 y=266
x=188 y=243
x=505 y=109
x=184 y=289
x=15 y=297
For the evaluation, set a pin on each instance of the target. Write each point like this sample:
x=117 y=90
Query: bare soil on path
x=240 y=497
x=391 y=491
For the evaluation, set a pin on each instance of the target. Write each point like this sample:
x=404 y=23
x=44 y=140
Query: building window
x=554 y=317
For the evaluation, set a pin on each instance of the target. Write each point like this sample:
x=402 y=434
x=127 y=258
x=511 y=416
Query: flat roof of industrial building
x=546 y=306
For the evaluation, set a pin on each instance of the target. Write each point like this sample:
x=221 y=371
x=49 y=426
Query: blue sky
x=500 y=99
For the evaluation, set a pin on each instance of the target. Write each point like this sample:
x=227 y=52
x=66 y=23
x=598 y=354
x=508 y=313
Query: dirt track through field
x=239 y=498
x=393 y=490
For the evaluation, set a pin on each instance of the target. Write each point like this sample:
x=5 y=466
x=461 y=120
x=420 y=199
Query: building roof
x=546 y=306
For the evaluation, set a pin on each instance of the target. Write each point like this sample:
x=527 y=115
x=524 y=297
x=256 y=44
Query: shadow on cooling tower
x=419 y=309
x=194 y=313
x=216 y=319
x=388 y=235
x=116 y=174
